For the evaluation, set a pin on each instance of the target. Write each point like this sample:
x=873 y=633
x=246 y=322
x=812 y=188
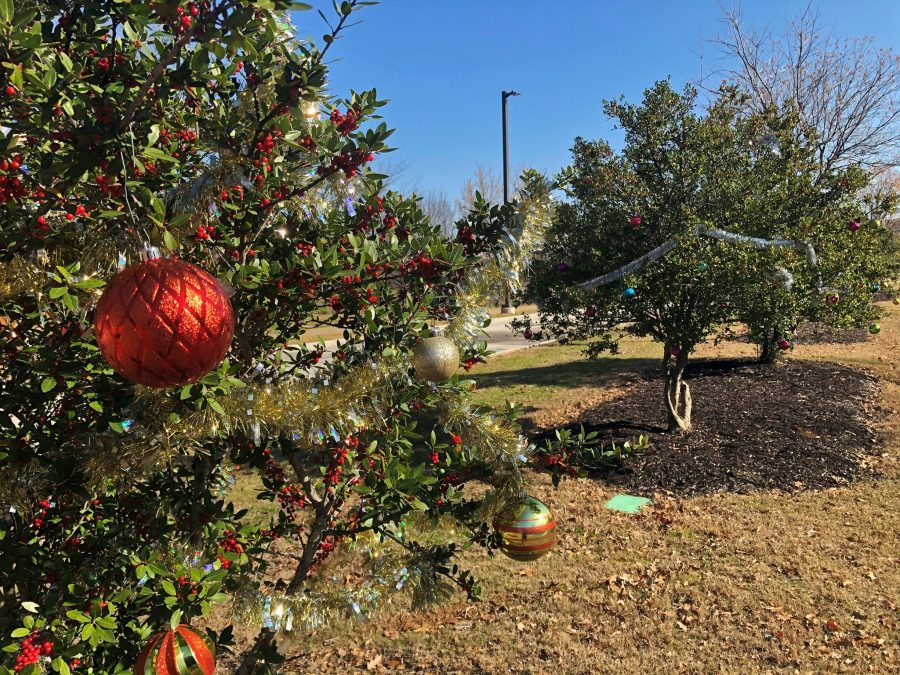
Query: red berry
x=10 y=90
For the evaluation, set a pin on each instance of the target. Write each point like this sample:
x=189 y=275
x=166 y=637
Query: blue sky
x=443 y=64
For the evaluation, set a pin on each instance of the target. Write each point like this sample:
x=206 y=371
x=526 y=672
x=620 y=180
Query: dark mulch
x=792 y=426
x=812 y=333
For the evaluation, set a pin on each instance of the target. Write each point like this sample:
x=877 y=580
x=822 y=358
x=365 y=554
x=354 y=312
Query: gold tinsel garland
x=504 y=269
x=19 y=277
x=390 y=575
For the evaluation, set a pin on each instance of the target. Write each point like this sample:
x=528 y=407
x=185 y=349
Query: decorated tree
x=808 y=240
x=701 y=220
x=182 y=201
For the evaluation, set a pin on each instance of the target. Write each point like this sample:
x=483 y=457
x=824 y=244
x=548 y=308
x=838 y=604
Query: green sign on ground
x=626 y=503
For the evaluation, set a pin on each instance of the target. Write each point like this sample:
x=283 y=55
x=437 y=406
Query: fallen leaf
x=375 y=662
x=832 y=625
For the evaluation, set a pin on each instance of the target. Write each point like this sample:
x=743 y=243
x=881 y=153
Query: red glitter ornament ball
x=164 y=323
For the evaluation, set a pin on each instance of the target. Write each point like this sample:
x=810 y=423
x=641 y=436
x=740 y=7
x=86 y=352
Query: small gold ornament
x=527 y=528
x=436 y=358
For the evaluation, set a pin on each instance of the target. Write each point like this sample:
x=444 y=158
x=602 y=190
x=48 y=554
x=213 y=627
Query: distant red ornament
x=784 y=344
x=635 y=219
x=854 y=225
x=164 y=323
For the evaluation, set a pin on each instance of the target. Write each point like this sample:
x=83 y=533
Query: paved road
x=500 y=338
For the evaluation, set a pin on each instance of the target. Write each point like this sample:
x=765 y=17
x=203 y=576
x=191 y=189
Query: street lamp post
x=505 y=307
x=503 y=96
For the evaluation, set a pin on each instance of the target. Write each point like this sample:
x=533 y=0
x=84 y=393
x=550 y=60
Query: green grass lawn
x=546 y=376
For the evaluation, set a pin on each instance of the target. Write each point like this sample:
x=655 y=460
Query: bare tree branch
x=846 y=89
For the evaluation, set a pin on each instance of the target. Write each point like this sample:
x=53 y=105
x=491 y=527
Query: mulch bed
x=815 y=333
x=791 y=426
x=812 y=333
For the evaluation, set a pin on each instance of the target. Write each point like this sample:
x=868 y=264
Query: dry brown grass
x=728 y=583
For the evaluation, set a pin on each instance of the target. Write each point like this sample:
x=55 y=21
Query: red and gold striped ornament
x=177 y=652
x=527 y=529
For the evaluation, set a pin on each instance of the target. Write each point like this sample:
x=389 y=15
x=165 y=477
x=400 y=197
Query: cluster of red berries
x=336 y=467
x=140 y=173
x=103 y=62
x=470 y=363
x=289 y=496
x=44 y=508
x=108 y=187
x=266 y=143
x=187 y=587
x=346 y=123
x=228 y=544
x=470 y=241
x=205 y=232
x=291 y=500
x=349 y=163
x=378 y=269
x=31 y=650
x=185 y=16
x=326 y=547
x=559 y=460
x=11 y=186
x=184 y=137
x=339 y=456
x=369 y=213
x=423 y=265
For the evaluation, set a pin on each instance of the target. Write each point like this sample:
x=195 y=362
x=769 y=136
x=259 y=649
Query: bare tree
x=485 y=181
x=440 y=210
x=846 y=89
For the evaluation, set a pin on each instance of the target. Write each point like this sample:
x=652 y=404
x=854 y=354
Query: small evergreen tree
x=702 y=219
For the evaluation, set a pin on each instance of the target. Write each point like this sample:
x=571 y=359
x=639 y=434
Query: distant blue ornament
x=562 y=267
x=876 y=287
x=349 y=204
x=702 y=266
x=629 y=292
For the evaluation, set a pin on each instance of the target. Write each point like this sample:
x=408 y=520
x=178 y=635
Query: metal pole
x=505 y=307
x=504 y=95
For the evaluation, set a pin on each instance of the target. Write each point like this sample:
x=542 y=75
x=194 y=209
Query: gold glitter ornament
x=436 y=358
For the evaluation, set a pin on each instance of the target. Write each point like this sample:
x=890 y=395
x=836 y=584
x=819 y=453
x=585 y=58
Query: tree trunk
x=324 y=510
x=677 y=395
x=769 y=347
